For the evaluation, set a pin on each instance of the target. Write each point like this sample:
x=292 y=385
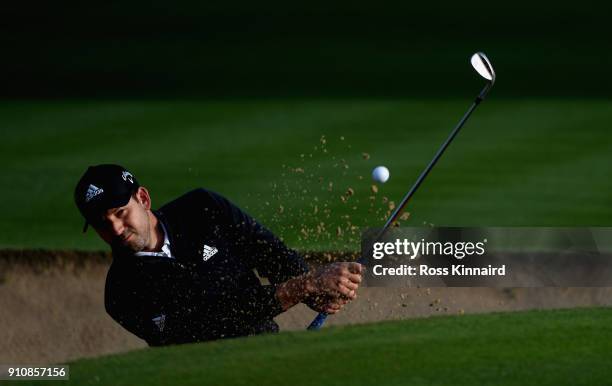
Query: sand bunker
x=53 y=310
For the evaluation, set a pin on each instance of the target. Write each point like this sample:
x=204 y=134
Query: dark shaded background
x=314 y=48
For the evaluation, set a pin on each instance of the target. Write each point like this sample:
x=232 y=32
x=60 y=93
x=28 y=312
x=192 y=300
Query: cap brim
x=114 y=202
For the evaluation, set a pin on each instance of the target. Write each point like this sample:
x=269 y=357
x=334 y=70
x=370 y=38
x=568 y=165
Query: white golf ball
x=380 y=174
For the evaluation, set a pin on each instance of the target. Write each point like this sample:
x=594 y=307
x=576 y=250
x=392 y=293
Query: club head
x=483 y=66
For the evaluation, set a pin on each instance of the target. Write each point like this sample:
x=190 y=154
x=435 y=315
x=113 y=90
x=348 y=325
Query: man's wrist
x=295 y=290
x=308 y=285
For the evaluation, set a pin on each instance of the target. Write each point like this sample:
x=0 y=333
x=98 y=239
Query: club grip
x=317 y=323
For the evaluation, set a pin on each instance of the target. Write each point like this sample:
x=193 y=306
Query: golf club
x=483 y=66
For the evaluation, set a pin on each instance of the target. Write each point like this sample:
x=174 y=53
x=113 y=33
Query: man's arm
x=326 y=289
x=262 y=250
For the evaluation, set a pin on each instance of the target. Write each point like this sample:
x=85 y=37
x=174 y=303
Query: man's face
x=126 y=227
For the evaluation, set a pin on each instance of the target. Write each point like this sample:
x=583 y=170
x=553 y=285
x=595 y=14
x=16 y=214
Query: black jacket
x=209 y=290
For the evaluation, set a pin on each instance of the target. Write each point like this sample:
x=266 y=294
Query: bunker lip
x=41 y=258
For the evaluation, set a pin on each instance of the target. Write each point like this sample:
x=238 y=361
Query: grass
x=536 y=162
x=535 y=347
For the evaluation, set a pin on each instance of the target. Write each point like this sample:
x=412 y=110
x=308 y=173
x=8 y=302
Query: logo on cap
x=208 y=252
x=127 y=176
x=92 y=191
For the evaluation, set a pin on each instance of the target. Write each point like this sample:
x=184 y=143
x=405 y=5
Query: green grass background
x=518 y=162
x=535 y=347
x=222 y=95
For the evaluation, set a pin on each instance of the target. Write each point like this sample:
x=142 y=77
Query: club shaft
x=400 y=207
x=318 y=322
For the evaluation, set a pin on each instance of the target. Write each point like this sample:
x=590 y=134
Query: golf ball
x=380 y=174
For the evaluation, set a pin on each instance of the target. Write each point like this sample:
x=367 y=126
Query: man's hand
x=327 y=289
x=332 y=286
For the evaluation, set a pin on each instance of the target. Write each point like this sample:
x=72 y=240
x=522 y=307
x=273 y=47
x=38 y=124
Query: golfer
x=191 y=270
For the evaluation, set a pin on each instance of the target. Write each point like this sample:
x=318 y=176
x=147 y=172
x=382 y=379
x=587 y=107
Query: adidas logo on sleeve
x=160 y=322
